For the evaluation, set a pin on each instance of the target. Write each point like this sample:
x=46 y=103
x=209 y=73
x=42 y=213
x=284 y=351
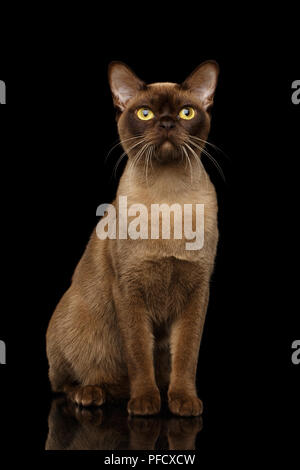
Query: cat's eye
x=145 y=114
x=187 y=113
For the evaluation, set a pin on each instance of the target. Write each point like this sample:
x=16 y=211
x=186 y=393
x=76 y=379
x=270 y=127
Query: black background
x=55 y=133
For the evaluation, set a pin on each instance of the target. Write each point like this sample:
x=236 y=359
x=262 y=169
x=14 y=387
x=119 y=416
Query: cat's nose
x=167 y=123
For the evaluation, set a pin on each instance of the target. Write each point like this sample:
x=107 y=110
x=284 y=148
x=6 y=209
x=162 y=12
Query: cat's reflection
x=110 y=428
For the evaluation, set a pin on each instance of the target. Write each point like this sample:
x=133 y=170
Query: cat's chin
x=168 y=152
x=167 y=147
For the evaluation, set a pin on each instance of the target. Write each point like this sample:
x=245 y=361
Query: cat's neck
x=169 y=179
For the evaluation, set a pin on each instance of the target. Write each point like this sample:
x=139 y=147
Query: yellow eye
x=145 y=114
x=187 y=113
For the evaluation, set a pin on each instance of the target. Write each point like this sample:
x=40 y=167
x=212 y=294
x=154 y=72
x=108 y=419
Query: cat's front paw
x=145 y=404
x=184 y=404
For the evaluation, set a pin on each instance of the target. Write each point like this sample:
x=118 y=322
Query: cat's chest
x=167 y=284
x=180 y=225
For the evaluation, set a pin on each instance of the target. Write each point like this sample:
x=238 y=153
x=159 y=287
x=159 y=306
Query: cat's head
x=168 y=118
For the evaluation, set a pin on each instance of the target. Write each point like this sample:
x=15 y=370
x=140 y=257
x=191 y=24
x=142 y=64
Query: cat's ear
x=124 y=84
x=202 y=82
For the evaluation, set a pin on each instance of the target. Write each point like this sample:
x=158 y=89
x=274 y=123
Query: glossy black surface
x=111 y=428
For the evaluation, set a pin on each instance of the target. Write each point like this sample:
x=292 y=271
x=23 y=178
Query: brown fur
x=131 y=322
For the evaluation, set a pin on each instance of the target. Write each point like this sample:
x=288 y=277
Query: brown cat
x=131 y=322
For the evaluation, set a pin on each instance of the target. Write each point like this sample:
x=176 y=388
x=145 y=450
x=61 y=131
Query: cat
x=131 y=322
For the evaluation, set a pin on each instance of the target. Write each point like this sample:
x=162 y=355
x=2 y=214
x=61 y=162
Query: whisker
x=151 y=155
x=120 y=143
x=147 y=162
x=196 y=157
x=189 y=161
x=124 y=154
x=137 y=158
x=215 y=147
x=200 y=164
x=213 y=160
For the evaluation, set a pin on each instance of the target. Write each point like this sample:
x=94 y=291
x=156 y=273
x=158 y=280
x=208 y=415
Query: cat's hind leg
x=82 y=395
x=86 y=395
x=60 y=374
